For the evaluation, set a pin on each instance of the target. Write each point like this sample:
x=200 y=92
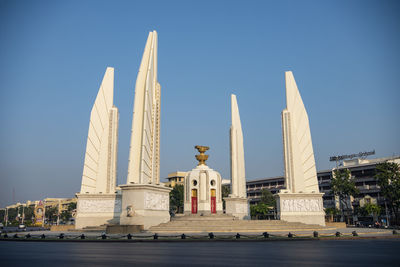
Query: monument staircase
x=100 y=228
x=226 y=223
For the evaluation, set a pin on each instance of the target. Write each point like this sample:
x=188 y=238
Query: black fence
x=182 y=237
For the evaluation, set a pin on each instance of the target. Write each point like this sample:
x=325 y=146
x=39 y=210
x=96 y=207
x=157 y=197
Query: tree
x=13 y=216
x=66 y=215
x=343 y=186
x=268 y=198
x=29 y=214
x=388 y=178
x=373 y=210
x=259 y=209
x=2 y=216
x=226 y=190
x=51 y=213
x=265 y=206
x=332 y=213
x=176 y=198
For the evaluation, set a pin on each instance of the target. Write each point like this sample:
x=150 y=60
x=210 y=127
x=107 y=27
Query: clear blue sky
x=53 y=54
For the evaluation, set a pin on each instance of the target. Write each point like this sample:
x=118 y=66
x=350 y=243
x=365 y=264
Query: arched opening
x=194 y=201
x=213 y=201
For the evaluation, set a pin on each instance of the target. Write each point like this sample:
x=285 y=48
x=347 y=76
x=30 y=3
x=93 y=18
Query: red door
x=194 y=201
x=213 y=205
x=213 y=201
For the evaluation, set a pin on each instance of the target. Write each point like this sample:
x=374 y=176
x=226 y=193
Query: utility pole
x=6 y=216
x=44 y=214
x=387 y=216
x=23 y=214
x=58 y=213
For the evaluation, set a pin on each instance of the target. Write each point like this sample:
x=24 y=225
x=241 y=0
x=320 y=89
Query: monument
x=98 y=202
x=202 y=188
x=301 y=201
x=237 y=203
x=144 y=200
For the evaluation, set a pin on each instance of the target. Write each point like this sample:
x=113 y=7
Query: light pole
x=58 y=213
x=23 y=214
x=387 y=216
x=6 y=216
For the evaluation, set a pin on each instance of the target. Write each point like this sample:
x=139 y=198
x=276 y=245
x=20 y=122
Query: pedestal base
x=144 y=204
x=237 y=207
x=97 y=209
x=301 y=207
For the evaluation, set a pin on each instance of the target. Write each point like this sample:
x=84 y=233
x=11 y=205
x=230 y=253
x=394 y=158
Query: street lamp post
x=6 y=216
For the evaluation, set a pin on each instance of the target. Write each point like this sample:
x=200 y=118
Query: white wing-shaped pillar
x=144 y=201
x=300 y=171
x=100 y=166
x=238 y=175
x=236 y=204
x=144 y=152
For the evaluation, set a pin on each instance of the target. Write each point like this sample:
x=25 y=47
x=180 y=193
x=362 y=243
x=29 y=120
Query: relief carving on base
x=99 y=205
x=155 y=201
x=302 y=205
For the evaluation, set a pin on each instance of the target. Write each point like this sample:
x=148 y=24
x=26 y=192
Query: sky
x=53 y=54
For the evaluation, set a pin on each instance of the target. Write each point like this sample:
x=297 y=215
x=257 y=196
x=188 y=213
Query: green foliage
x=268 y=198
x=332 y=211
x=13 y=217
x=388 y=178
x=259 y=209
x=66 y=215
x=372 y=209
x=226 y=190
x=29 y=214
x=71 y=206
x=2 y=214
x=51 y=214
x=343 y=186
x=176 y=198
x=369 y=209
x=265 y=206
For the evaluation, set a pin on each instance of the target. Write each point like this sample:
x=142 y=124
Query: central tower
x=202 y=189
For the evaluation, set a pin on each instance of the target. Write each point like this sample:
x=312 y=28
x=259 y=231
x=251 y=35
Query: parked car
x=22 y=227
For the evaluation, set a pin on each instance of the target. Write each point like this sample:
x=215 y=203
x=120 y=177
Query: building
x=363 y=170
x=175 y=178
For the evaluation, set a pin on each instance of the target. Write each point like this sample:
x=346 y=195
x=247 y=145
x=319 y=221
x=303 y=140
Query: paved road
x=373 y=252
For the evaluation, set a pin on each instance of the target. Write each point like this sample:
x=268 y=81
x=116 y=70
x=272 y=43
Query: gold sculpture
x=202 y=157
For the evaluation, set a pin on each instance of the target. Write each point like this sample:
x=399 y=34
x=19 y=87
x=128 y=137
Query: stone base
x=124 y=229
x=237 y=207
x=301 y=207
x=97 y=209
x=144 y=204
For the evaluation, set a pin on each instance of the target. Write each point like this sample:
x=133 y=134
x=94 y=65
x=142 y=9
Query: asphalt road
x=371 y=252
